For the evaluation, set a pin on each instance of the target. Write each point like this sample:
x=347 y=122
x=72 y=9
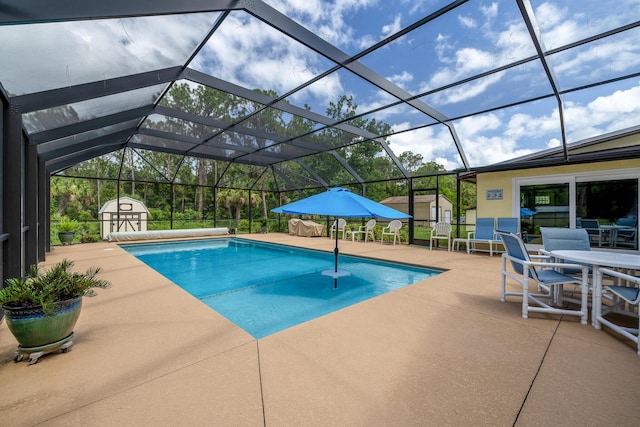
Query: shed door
x=126 y=222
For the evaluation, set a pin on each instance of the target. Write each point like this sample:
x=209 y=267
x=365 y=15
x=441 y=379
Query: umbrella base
x=335 y=274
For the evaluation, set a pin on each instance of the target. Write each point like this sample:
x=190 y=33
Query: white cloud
x=483 y=150
x=471 y=59
x=526 y=126
x=485 y=143
x=604 y=114
x=442 y=47
x=490 y=11
x=549 y=15
x=467 y=22
x=513 y=43
x=326 y=90
x=325 y=18
x=493 y=137
x=553 y=143
x=252 y=54
x=587 y=63
x=432 y=143
x=392 y=28
x=466 y=91
x=401 y=79
x=85 y=51
x=471 y=126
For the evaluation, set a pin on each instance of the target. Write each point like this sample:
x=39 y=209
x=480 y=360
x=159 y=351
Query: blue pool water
x=265 y=288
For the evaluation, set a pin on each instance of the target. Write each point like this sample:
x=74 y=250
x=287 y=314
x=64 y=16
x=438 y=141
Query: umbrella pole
x=335 y=253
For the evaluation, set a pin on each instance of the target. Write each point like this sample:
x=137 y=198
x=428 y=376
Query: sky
x=468 y=41
x=475 y=38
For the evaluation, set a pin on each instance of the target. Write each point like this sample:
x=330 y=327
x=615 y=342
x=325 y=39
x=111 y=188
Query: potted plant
x=42 y=309
x=66 y=230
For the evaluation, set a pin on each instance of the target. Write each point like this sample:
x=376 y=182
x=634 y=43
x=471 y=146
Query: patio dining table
x=613 y=229
x=599 y=259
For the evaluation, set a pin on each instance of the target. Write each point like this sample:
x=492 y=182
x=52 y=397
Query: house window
x=564 y=200
x=614 y=204
x=549 y=204
x=607 y=200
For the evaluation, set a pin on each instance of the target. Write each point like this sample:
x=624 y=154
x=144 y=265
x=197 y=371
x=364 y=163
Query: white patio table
x=613 y=232
x=599 y=259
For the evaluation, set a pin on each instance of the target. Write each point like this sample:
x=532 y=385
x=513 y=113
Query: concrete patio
x=441 y=352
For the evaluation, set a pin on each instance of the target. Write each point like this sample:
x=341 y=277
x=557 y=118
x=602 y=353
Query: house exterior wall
x=503 y=181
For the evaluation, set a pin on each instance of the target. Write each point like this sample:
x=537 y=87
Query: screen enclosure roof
x=296 y=89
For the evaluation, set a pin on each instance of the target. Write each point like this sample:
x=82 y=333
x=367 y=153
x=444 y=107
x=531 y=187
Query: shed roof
x=429 y=198
x=107 y=205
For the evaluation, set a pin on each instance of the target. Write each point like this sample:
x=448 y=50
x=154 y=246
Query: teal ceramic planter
x=66 y=238
x=32 y=328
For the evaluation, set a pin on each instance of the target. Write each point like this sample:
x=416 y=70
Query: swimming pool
x=265 y=288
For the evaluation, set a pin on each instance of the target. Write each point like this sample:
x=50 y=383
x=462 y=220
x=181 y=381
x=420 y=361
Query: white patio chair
x=541 y=272
x=342 y=228
x=440 y=231
x=366 y=230
x=393 y=229
x=624 y=299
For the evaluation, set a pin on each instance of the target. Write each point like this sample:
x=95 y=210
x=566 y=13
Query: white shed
x=124 y=214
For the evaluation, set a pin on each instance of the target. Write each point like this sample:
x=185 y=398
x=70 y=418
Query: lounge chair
x=622 y=296
x=527 y=268
x=509 y=225
x=393 y=229
x=485 y=233
x=366 y=230
x=441 y=231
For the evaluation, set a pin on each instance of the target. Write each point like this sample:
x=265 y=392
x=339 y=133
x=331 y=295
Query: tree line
x=183 y=187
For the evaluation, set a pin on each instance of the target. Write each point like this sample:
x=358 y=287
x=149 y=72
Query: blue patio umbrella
x=340 y=203
x=527 y=212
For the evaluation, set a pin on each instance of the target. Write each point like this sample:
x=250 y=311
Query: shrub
x=243 y=225
x=67 y=225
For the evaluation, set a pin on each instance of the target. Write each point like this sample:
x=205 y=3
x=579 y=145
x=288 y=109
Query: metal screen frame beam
x=39 y=11
x=43 y=211
x=91 y=124
x=12 y=194
x=82 y=92
x=59 y=164
x=50 y=154
x=31 y=202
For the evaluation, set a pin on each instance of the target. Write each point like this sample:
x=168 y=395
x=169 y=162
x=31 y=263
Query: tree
x=235 y=200
x=70 y=195
x=202 y=101
x=411 y=161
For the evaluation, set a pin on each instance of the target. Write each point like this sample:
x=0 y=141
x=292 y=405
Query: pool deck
x=442 y=352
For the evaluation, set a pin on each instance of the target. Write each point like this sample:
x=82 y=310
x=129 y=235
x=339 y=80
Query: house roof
x=430 y=198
